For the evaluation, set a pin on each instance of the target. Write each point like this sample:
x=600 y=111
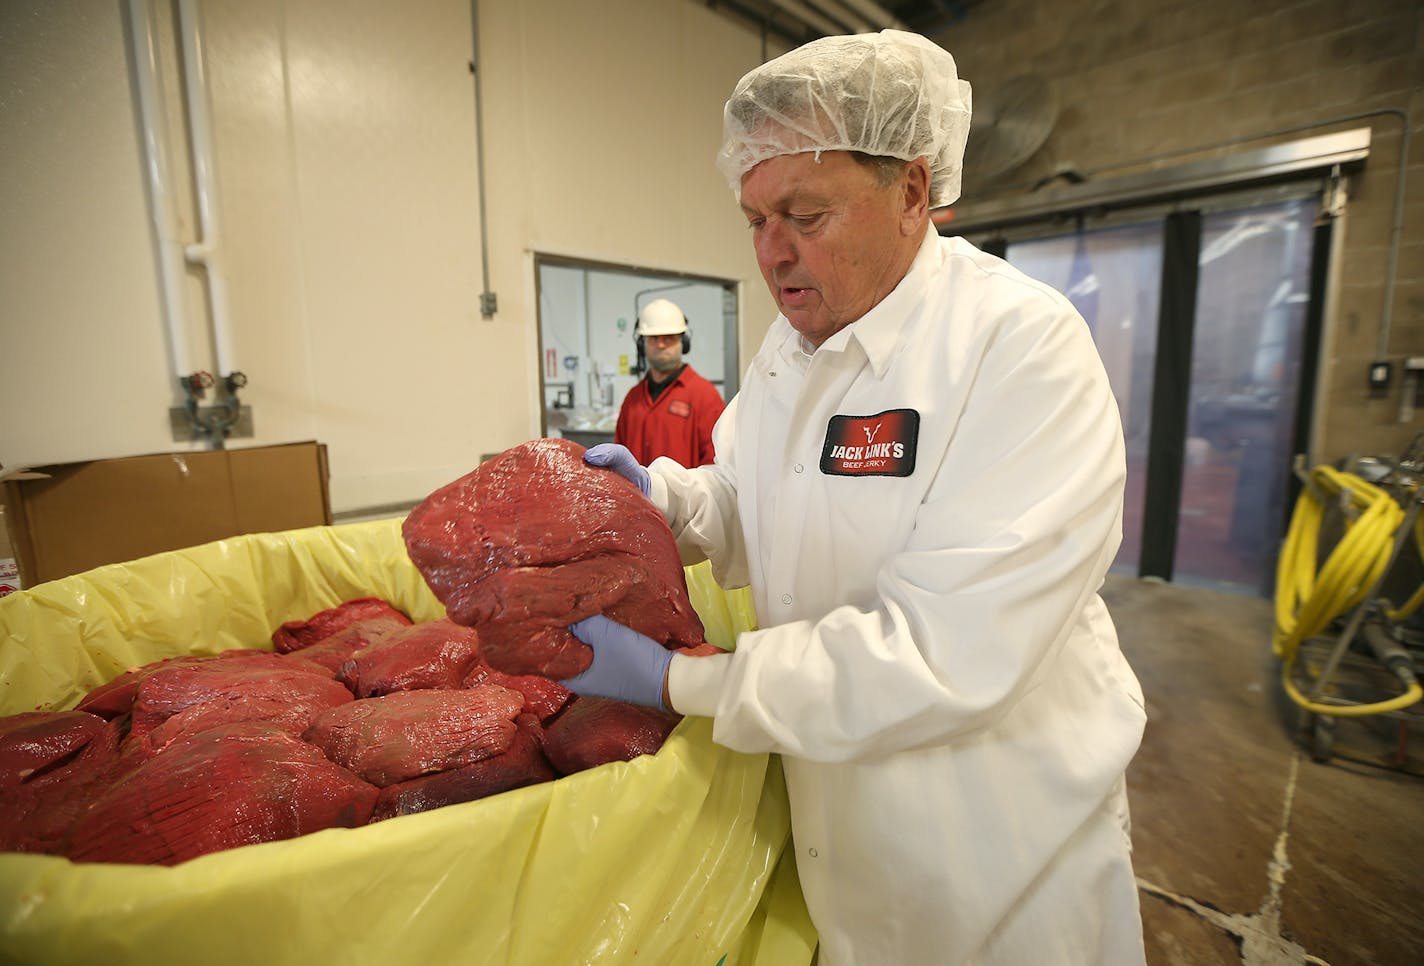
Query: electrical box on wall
x=1380 y=374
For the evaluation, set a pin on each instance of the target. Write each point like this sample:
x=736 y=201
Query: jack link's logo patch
x=879 y=445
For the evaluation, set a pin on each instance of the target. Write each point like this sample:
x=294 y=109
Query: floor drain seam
x=1214 y=916
x=1279 y=863
x=1259 y=946
x=1258 y=936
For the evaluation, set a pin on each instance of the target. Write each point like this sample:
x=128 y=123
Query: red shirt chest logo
x=679 y=407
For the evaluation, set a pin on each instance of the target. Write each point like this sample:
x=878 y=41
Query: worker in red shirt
x=670 y=413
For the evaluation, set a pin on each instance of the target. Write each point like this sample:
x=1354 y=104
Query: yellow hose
x=1404 y=700
x=1307 y=600
x=1417 y=598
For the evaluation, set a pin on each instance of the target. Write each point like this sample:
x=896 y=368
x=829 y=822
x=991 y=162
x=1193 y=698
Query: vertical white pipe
x=488 y=302
x=155 y=142
x=206 y=251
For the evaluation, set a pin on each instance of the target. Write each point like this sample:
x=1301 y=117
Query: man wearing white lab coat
x=921 y=480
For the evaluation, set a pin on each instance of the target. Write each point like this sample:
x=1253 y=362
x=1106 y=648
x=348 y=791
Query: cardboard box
x=70 y=518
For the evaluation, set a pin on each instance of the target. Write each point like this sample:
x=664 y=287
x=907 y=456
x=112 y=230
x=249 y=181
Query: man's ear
x=916 y=196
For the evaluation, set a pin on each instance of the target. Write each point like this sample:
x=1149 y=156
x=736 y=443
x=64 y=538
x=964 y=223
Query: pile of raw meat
x=357 y=714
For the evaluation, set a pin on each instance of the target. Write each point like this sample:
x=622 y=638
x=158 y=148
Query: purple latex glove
x=626 y=665
x=620 y=460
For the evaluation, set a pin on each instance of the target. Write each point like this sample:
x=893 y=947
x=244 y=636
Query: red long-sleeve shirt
x=678 y=424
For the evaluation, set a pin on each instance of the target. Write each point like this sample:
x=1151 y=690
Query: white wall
x=346 y=151
x=82 y=358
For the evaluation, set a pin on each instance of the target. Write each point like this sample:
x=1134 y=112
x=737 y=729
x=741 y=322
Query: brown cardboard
x=82 y=515
x=279 y=488
x=9 y=563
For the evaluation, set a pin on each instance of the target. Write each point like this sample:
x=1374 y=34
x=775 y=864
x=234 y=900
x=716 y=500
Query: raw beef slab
x=36 y=815
x=534 y=540
x=226 y=787
x=434 y=654
x=185 y=699
x=295 y=635
x=289 y=702
x=117 y=696
x=36 y=740
x=595 y=731
x=404 y=735
x=333 y=651
x=543 y=698
x=522 y=764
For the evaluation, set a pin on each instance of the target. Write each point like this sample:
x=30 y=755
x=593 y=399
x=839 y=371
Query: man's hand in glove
x=620 y=460
x=626 y=665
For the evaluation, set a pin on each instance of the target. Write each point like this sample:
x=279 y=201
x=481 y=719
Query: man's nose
x=774 y=245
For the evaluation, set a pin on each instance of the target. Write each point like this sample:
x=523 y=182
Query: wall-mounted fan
x=1010 y=122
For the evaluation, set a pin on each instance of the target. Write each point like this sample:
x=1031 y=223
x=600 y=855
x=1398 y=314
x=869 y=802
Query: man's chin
x=796 y=316
x=814 y=329
x=803 y=321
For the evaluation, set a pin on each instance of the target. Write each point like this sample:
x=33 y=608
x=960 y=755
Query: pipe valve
x=195 y=384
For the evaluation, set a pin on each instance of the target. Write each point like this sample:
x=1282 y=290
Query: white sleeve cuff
x=695 y=683
x=658 y=493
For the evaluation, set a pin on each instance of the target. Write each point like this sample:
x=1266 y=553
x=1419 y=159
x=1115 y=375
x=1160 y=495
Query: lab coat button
x=786 y=598
x=799 y=468
x=812 y=853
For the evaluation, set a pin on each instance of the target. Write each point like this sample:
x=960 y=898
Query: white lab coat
x=934 y=662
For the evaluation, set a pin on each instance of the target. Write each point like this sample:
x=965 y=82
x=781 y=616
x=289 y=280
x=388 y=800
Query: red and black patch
x=879 y=445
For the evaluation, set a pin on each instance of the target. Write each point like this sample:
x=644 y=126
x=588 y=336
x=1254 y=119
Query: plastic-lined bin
x=679 y=857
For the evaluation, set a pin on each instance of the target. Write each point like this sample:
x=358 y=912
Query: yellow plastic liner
x=680 y=857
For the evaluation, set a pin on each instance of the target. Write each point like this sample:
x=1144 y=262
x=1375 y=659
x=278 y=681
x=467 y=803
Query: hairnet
x=892 y=94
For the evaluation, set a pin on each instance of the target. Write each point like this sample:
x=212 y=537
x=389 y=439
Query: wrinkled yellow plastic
x=681 y=857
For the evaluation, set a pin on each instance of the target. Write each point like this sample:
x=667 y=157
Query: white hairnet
x=892 y=94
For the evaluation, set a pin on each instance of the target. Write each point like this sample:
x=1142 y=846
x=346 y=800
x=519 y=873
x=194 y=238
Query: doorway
x=588 y=359
x=1202 y=322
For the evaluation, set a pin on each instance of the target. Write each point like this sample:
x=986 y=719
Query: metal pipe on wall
x=205 y=251
x=489 y=302
x=155 y=144
x=1396 y=227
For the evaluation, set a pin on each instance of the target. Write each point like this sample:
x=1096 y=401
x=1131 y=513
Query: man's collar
x=676 y=375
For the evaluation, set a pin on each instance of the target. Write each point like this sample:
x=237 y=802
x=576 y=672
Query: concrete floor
x=1246 y=849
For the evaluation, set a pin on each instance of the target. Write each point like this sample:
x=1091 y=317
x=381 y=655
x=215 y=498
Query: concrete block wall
x=1135 y=79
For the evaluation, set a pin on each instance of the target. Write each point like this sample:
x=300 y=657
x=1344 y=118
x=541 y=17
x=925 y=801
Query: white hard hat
x=661 y=317
x=892 y=94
